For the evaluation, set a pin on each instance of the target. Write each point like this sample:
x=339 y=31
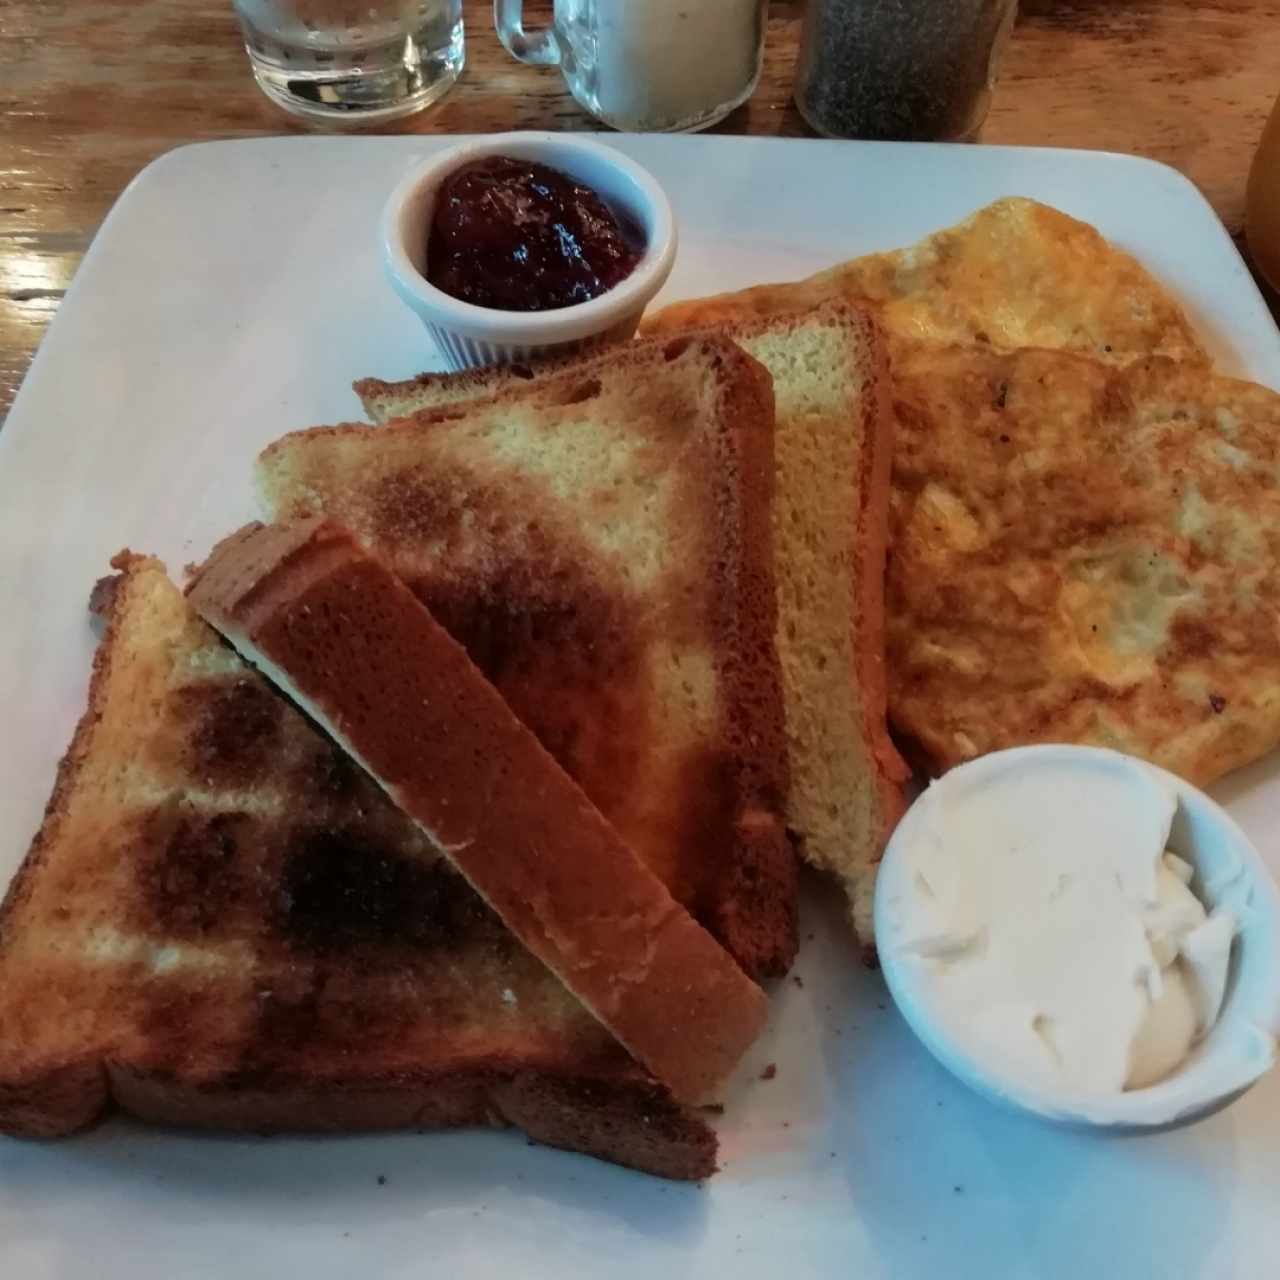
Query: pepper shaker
x=904 y=70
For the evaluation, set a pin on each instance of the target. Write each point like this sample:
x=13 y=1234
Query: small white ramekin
x=469 y=336
x=1241 y=1045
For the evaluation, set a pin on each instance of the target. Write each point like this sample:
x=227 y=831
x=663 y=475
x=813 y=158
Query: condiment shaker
x=911 y=70
x=646 y=65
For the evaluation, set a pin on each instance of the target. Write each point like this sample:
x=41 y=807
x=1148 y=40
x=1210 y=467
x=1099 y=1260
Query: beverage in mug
x=662 y=65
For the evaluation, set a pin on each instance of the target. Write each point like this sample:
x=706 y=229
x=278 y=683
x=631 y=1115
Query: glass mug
x=664 y=65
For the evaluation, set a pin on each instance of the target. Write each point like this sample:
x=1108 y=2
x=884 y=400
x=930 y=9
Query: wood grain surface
x=92 y=90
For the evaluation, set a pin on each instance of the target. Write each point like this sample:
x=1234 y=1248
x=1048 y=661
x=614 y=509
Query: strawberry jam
x=516 y=235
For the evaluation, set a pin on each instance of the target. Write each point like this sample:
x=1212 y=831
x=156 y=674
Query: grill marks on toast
x=235 y=730
x=197 y=873
x=567 y=658
x=566 y=652
x=338 y=889
x=337 y=869
x=210 y=962
x=563 y=648
x=208 y=864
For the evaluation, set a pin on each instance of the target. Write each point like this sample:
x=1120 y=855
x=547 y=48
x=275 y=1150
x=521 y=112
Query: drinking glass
x=353 y=61
x=661 y=65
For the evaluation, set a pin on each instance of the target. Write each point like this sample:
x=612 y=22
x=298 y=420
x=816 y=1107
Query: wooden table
x=92 y=90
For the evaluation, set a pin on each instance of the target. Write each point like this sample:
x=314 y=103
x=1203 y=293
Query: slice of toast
x=598 y=540
x=832 y=452
x=224 y=923
x=338 y=632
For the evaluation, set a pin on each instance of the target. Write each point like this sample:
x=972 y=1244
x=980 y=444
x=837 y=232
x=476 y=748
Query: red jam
x=520 y=236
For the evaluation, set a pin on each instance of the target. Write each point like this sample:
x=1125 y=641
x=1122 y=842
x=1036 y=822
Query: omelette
x=1084 y=520
x=1015 y=274
x=1083 y=553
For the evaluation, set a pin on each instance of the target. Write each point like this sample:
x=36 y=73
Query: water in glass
x=358 y=60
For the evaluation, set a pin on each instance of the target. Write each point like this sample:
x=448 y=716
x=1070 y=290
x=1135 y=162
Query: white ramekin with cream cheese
x=1038 y=940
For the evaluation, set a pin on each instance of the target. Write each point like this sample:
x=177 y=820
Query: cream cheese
x=1050 y=932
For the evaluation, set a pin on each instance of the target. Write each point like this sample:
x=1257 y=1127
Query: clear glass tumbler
x=646 y=65
x=353 y=61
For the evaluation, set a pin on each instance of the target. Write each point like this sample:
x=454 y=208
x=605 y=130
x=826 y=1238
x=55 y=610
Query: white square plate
x=233 y=294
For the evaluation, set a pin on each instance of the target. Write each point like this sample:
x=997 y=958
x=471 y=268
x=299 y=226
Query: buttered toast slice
x=339 y=633
x=832 y=455
x=598 y=540
x=224 y=923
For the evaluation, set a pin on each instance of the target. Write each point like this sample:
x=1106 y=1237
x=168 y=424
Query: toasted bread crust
x=348 y=640
x=425 y=392
x=386 y=401
x=60 y=1099
x=103 y=602
x=630 y=1121
x=711 y=825
x=754 y=912
x=871 y=545
x=65 y=1096
x=623 y=1118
